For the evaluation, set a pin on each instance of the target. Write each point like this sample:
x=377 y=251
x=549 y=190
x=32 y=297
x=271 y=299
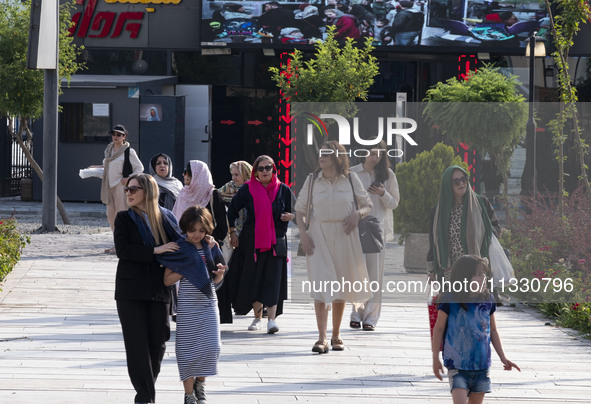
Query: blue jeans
x=475 y=381
x=406 y=38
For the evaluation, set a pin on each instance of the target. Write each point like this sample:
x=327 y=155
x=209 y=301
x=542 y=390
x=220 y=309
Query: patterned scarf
x=228 y=190
x=476 y=227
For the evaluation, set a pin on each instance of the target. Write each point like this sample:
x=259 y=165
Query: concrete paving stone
x=59 y=325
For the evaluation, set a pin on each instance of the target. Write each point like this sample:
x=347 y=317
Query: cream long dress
x=337 y=261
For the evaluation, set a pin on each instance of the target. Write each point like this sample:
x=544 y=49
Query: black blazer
x=139 y=276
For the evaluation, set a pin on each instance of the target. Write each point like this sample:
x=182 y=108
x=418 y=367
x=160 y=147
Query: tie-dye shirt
x=467 y=335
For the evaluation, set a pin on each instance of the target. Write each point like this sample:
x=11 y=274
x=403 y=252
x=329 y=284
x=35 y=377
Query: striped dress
x=198 y=342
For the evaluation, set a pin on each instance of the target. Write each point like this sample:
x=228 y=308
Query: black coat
x=139 y=276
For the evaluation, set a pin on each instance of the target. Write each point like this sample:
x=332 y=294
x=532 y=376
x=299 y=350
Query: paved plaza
x=61 y=342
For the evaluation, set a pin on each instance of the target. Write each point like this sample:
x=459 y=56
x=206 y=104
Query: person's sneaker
x=190 y=399
x=256 y=324
x=199 y=391
x=272 y=327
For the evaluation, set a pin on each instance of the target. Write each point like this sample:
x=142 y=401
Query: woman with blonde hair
x=331 y=241
x=142 y=233
x=241 y=171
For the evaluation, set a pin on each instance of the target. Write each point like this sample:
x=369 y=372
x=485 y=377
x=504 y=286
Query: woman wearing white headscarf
x=169 y=186
x=199 y=190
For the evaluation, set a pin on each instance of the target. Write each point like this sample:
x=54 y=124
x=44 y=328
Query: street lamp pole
x=531 y=124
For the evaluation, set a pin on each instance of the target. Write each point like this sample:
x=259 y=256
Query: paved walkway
x=60 y=342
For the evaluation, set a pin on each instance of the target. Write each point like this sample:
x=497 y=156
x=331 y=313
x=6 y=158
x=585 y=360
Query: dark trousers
x=146 y=328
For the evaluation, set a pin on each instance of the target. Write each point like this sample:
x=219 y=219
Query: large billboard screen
x=136 y=24
x=431 y=25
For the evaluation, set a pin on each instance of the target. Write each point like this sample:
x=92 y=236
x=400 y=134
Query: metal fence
x=19 y=169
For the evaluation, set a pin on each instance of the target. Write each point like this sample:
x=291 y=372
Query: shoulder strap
x=310 y=189
x=353 y=189
x=215 y=224
x=127 y=168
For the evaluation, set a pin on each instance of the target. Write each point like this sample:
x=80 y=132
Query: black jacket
x=408 y=21
x=243 y=199
x=139 y=276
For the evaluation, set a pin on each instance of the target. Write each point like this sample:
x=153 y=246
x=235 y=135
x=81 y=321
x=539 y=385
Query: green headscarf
x=476 y=227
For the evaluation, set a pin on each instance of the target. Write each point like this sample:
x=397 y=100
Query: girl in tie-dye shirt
x=466 y=325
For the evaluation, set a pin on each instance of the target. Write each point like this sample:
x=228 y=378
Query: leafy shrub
x=542 y=236
x=545 y=244
x=11 y=246
x=418 y=181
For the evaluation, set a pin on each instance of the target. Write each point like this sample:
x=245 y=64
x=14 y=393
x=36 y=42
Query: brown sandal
x=320 y=347
x=337 y=344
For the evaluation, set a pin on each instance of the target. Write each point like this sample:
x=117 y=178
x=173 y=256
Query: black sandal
x=354 y=324
x=368 y=327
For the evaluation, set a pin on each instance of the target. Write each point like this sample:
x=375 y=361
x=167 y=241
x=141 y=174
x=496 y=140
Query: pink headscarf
x=263 y=197
x=198 y=192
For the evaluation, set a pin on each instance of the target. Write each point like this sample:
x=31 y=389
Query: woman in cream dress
x=333 y=250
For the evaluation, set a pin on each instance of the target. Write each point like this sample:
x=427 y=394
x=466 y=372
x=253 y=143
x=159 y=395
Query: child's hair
x=463 y=269
x=192 y=216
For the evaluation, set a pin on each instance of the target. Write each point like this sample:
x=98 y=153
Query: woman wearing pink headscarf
x=199 y=190
x=262 y=278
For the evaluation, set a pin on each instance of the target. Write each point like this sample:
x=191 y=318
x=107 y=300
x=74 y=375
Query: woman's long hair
x=151 y=193
x=381 y=169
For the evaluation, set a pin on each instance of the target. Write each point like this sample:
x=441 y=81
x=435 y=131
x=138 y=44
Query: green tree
x=485 y=111
x=21 y=89
x=564 y=27
x=337 y=73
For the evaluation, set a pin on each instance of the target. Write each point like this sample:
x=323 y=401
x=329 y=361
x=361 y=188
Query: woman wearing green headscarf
x=462 y=222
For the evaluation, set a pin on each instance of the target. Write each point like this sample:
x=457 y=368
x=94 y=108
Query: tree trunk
x=506 y=197
x=18 y=137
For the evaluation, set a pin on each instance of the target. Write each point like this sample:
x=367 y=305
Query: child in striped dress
x=198 y=342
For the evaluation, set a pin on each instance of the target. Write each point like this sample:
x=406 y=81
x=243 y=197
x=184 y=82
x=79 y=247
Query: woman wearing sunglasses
x=143 y=232
x=120 y=162
x=262 y=278
x=462 y=222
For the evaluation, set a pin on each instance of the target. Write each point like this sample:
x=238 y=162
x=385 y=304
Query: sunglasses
x=461 y=180
x=117 y=134
x=260 y=169
x=132 y=189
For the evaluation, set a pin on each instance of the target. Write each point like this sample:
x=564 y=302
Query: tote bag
x=500 y=265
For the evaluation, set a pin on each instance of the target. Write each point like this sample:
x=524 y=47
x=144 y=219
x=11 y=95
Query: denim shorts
x=475 y=381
